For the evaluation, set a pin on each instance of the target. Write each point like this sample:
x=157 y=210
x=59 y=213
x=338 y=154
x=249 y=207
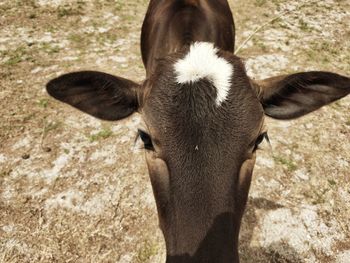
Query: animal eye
x=146 y=139
x=260 y=139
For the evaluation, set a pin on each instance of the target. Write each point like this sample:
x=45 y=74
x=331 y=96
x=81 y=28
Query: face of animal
x=202 y=135
x=203 y=119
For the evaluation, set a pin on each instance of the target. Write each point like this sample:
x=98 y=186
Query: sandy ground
x=76 y=189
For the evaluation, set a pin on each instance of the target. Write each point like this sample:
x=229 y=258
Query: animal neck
x=171 y=25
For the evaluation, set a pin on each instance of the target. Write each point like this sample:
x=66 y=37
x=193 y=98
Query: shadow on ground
x=278 y=252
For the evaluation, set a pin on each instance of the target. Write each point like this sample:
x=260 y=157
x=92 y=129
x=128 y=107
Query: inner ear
x=99 y=94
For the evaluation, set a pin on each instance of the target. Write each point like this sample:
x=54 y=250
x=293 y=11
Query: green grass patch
x=260 y=3
x=101 y=135
x=76 y=38
x=258 y=43
x=43 y=103
x=326 y=53
x=332 y=182
x=18 y=55
x=82 y=40
x=291 y=166
x=146 y=252
x=319 y=196
x=50 y=126
x=15 y=56
x=49 y=48
x=65 y=11
x=304 y=26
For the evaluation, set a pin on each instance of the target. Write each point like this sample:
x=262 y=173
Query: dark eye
x=260 y=139
x=146 y=139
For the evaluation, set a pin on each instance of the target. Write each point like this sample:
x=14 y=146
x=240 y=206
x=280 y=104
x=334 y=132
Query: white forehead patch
x=201 y=62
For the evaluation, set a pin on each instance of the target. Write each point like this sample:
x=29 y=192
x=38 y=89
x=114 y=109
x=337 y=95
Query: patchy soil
x=76 y=189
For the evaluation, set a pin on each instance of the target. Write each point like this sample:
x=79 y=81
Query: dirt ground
x=76 y=189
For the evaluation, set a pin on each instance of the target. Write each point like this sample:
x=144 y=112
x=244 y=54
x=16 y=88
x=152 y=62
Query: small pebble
x=25 y=156
x=47 y=149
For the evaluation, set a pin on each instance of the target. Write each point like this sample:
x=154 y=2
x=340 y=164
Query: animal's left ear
x=292 y=96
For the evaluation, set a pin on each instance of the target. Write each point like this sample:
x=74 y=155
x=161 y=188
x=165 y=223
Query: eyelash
x=260 y=139
x=146 y=139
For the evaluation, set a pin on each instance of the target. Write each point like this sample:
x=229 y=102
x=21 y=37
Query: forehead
x=202 y=92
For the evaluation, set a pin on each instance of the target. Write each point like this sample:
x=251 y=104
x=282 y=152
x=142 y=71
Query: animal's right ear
x=291 y=96
x=99 y=94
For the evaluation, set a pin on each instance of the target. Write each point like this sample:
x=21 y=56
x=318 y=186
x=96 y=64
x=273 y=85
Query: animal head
x=203 y=119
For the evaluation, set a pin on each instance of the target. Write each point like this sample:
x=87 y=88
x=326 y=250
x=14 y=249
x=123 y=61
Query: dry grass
x=75 y=189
